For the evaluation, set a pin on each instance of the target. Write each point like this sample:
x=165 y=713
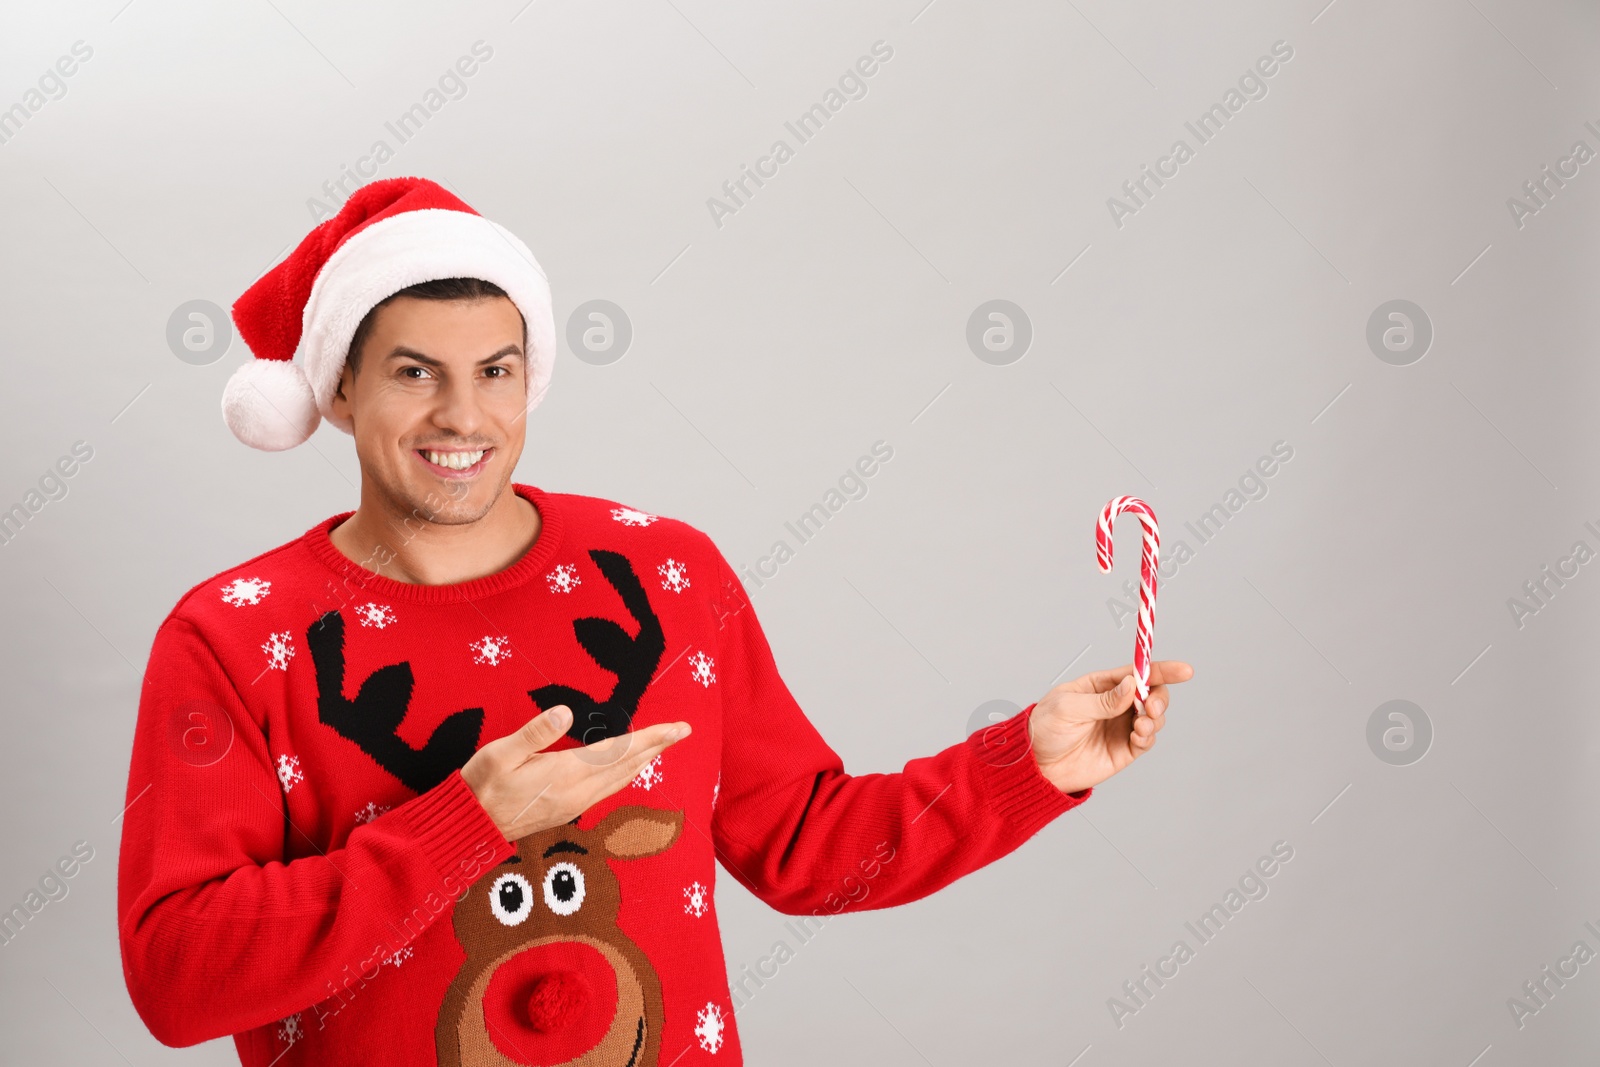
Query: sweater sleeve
x=219 y=932
x=806 y=837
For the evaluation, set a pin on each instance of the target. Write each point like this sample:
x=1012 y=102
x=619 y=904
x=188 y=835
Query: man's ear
x=340 y=401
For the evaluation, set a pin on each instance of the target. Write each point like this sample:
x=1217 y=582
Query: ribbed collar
x=533 y=561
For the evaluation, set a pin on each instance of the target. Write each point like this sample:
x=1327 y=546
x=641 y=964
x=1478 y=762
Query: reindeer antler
x=633 y=659
x=373 y=718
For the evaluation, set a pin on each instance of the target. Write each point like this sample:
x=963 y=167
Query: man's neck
x=409 y=549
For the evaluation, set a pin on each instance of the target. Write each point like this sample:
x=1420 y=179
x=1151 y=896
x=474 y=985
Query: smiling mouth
x=456 y=463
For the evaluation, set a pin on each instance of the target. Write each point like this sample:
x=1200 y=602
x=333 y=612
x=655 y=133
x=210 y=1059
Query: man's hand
x=1085 y=730
x=526 y=789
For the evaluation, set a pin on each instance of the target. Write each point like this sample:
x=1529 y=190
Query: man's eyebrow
x=565 y=846
x=402 y=352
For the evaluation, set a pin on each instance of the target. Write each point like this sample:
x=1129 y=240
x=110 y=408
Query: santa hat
x=390 y=234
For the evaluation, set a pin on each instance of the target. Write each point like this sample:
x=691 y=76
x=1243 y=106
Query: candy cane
x=1147 y=581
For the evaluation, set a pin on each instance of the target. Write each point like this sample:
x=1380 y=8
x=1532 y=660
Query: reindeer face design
x=549 y=978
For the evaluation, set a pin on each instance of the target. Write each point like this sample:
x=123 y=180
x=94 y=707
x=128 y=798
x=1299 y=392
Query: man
x=445 y=779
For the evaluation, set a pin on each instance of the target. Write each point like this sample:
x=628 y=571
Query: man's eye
x=407 y=370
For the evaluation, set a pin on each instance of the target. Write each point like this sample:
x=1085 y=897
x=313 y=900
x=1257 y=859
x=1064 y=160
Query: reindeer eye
x=563 y=888
x=511 y=898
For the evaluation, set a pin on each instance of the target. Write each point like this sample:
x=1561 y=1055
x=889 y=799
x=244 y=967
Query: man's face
x=439 y=382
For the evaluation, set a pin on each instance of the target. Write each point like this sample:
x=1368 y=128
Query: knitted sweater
x=304 y=868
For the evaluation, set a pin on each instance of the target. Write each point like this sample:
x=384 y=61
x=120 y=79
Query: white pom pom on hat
x=268 y=404
x=299 y=317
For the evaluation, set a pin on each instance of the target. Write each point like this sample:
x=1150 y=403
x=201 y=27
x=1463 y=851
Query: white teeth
x=458 y=461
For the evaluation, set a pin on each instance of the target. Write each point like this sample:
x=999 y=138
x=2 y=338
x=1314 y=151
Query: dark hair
x=438 y=289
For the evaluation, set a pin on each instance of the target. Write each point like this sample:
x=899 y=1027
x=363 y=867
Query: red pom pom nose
x=557 y=1000
x=551 y=1003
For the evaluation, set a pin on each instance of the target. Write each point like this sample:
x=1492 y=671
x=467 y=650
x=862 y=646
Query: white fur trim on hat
x=402 y=250
x=268 y=404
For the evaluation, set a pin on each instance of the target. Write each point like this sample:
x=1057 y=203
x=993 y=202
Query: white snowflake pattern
x=370 y=812
x=280 y=650
x=674 y=575
x=290 y=1030
x=289 y=772
x=399 y=957
x=700 y=666
x=242 y=591
x=715 y=789
x=649 y=775
x=564 y=579
x=696 y=899
x=491 y=650
x=709 y=1026
x=632 y=517
x=379 y=615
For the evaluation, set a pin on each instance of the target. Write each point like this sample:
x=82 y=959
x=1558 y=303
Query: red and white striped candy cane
x=1148 y=560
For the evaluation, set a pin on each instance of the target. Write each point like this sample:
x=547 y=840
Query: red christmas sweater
x=304 y=868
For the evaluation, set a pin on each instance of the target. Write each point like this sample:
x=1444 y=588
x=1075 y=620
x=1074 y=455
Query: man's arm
x=218 y=933
x=805 y=837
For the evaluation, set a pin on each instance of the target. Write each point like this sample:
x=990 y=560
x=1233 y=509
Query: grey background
x=770 y=353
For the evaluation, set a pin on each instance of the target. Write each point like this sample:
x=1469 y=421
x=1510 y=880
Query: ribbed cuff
x=1017 y=788
x=451 y=827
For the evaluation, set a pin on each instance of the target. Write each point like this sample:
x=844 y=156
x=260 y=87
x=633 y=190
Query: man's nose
x=459 y=407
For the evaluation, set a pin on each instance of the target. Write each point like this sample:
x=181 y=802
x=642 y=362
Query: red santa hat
x=390 y=234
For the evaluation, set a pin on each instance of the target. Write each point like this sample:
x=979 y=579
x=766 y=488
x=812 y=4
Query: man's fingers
x=1108 y=679
x=544 y=729
x=1168 y=671
x=1143 y=736
x=626 y=753
x=648 y=744
x=1114 y=701
x=645 y=745
x=1162 y=672
x=570 y=780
